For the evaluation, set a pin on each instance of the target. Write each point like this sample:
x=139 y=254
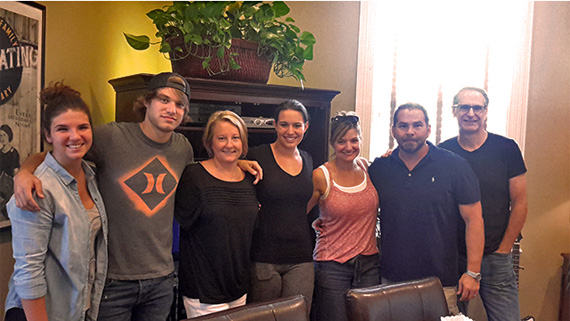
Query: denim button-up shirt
x=52 y=247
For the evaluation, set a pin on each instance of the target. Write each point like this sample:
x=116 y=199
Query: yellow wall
x=85 y=47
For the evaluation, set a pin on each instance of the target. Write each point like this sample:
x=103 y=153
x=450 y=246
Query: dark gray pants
x=273 y=281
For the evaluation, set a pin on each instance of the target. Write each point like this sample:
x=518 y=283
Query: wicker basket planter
x=254 y=68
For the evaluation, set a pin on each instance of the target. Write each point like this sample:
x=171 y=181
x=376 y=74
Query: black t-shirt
x=216 y=227
x=282 y=235
x=495 y=162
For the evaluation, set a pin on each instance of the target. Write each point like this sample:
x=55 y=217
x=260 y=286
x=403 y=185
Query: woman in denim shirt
x=60 y=251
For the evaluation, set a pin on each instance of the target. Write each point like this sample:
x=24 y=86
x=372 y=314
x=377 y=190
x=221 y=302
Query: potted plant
x=211 y=31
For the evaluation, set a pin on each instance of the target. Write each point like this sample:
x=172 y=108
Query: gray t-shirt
x=138 y=178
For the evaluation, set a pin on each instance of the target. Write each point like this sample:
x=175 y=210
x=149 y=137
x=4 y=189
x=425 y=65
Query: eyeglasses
x=477 y=109
x=351 y=118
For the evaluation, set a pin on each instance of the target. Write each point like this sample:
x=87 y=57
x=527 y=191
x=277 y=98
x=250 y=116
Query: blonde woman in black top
x=216 y=207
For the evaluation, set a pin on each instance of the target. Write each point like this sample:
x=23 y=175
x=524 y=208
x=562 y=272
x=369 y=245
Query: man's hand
x=317 y=226
x=501 y=250
x=253 y=168
x=387 y=153
x=467 y=288
x=24 y=184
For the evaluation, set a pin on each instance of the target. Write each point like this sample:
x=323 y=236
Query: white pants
x=195 y=308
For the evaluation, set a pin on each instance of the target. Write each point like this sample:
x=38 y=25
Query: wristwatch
x=476 y=276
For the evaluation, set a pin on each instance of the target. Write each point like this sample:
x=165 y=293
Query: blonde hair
x=230 y=117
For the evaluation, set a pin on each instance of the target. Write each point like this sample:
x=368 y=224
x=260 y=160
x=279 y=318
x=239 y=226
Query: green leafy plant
x=206 y=29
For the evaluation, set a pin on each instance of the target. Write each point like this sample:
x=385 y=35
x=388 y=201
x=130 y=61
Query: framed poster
x=22 y=44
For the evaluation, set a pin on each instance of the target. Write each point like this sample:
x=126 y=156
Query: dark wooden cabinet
x=248 y=100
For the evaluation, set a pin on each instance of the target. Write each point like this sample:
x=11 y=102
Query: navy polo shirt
x=419 y=213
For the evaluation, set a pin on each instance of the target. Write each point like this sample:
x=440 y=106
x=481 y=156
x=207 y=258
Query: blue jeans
x=498 y=289
x=333 y=280
x=140 y=300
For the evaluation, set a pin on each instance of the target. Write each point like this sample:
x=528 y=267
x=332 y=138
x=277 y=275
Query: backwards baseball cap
x=171 y=80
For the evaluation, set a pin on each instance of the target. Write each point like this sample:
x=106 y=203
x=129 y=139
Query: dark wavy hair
x=58 y=98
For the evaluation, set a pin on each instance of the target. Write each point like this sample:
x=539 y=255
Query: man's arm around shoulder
x=25 y=183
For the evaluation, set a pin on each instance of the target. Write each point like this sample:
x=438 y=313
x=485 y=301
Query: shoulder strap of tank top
x=328 y=180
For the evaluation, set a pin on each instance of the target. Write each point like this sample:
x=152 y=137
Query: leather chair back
x=421 y=300
x=285 y=309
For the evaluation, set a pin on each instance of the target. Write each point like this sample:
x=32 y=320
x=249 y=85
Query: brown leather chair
x=285 y=309
x=421 y=300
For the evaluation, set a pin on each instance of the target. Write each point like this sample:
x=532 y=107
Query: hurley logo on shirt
x=150 y=185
